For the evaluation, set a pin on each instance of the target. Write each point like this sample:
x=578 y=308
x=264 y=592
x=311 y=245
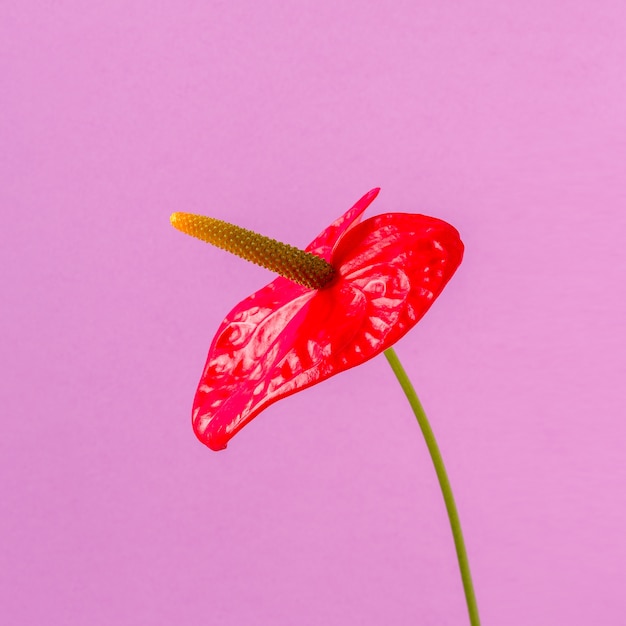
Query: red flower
x=286 y=337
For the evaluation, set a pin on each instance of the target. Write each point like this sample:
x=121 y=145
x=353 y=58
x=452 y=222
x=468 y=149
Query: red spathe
x=285 y=337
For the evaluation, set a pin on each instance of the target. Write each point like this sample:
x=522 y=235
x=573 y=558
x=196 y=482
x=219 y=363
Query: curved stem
x=444 y=483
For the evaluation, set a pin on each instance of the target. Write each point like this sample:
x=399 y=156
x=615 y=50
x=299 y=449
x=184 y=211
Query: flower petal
x=257 y=356
x=324 y=244
x=285 y=337
x=401 y=262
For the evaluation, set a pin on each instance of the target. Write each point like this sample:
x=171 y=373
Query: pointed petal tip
x=215 y=447
x=213 y=438
x=215 y=444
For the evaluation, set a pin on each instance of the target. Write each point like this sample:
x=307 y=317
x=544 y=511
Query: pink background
x=504 y=118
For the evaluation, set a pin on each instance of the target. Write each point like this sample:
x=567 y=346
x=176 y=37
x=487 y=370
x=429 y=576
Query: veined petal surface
x=285 y=337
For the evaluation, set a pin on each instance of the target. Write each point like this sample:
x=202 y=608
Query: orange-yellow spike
x=297 y=265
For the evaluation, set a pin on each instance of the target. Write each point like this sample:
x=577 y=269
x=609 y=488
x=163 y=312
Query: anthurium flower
x=387 y=272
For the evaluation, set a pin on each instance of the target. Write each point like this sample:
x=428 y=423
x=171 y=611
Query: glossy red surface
x=286 y=337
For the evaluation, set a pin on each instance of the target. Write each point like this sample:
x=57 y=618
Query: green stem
x=444 y=483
